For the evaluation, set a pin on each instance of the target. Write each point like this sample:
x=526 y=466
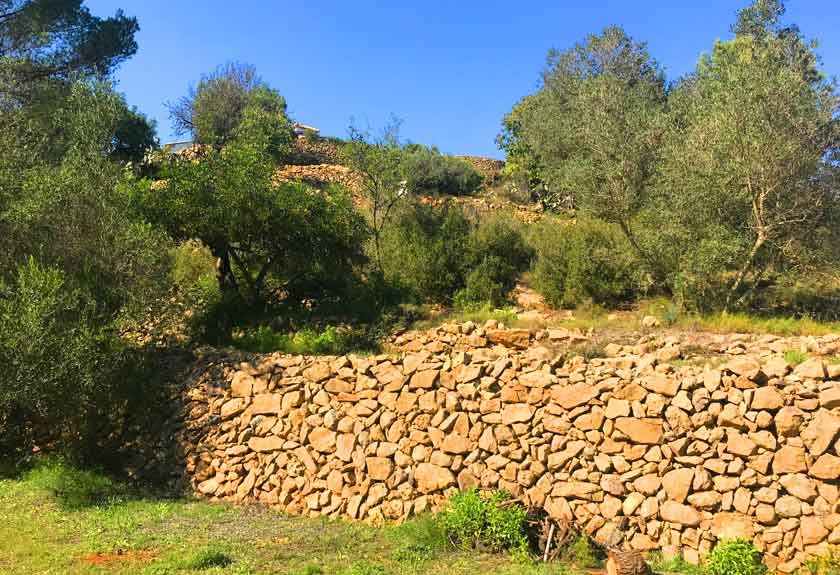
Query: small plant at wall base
x=735 y=557
x=490 y=520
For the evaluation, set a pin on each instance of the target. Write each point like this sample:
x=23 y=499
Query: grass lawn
x=58 y=520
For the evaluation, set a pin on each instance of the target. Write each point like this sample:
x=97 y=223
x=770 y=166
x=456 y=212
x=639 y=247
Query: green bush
x=475 y=520
x=582 y=261
x=735 y=557
x=497 y=255
x=435 y=254
x=430 y=172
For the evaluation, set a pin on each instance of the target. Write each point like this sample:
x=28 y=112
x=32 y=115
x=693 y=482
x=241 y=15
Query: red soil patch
x=119 y=556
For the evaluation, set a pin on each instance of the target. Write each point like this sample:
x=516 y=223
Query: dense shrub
x=79 y=270
x=582 y=261
x=423 y=251
x=429 y=172
x=485 y=520
x=497 y=255
x=436 y=254
x=735 y=557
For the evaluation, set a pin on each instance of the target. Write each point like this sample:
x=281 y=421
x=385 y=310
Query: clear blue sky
x=449 y=69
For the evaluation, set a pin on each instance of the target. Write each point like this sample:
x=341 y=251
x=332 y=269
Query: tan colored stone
x=745 y=366
x=263 y=444
x=674 y=512
x=830 y=398
x=645 y=431
x=430 y=478
x=575 y=395
x=732 y=526
x=424 y=379
x=232 y=408
x=266 y=403
x=789 y=459
x=456 y=443
x=241 y=385
x=788 y=421
x=318 y=372
x=800 y=486
x=379 y=468
x=677 y=483
x=768 y=398
x=826 y=467
x=740 y=445
x=812 y=529
x=813 y=368
x=617 y=408
x=516 y=412
x=820 y=432
x=322 y=439
x=661 y=384
x=515 y=338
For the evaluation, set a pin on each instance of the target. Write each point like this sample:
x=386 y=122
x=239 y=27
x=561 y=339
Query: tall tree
x=224 y=106
x=56 y=40
x=593 y=127
x=752 y=133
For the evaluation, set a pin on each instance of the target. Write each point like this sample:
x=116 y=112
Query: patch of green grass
x=137 y=534
x=478 y=316
x=677 y=564
x=72 y=488
x=744 y=323
x=581 y=553
x=795 y=357
x=365 y=568
x=207 y=558
x=417 y=541
x=329 y=341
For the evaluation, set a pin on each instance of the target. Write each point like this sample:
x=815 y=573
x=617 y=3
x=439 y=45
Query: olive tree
x=751 y=133
x=593 y=128
x=230 y=103
x=274 y=241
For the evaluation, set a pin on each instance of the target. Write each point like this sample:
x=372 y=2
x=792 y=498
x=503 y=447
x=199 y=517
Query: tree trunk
x=742 y=273
x=626 y=563
x=224 y=272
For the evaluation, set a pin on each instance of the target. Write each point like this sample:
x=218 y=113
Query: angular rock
x=820 y=432
x=674 y=512
x=645 y=431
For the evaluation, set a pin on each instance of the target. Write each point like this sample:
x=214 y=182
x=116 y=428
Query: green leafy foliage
x=263 y=339
x=46 y=43
x=475 y=519
x=436 y=254
x=584 y=261
x=233 y=103
x=78 y=269
x=276 y=243
x=735 y=557
x=497 y=254
x=581 y=553
x=431 y=173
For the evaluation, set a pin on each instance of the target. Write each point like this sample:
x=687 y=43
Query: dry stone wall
x=640 y=449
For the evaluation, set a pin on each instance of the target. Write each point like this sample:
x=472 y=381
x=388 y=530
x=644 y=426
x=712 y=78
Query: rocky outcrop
x=636 y=452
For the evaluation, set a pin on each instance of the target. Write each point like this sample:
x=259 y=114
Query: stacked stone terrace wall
x=648 y=448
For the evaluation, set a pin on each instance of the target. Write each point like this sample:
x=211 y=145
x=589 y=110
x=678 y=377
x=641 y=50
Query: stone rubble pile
x=640 y=449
